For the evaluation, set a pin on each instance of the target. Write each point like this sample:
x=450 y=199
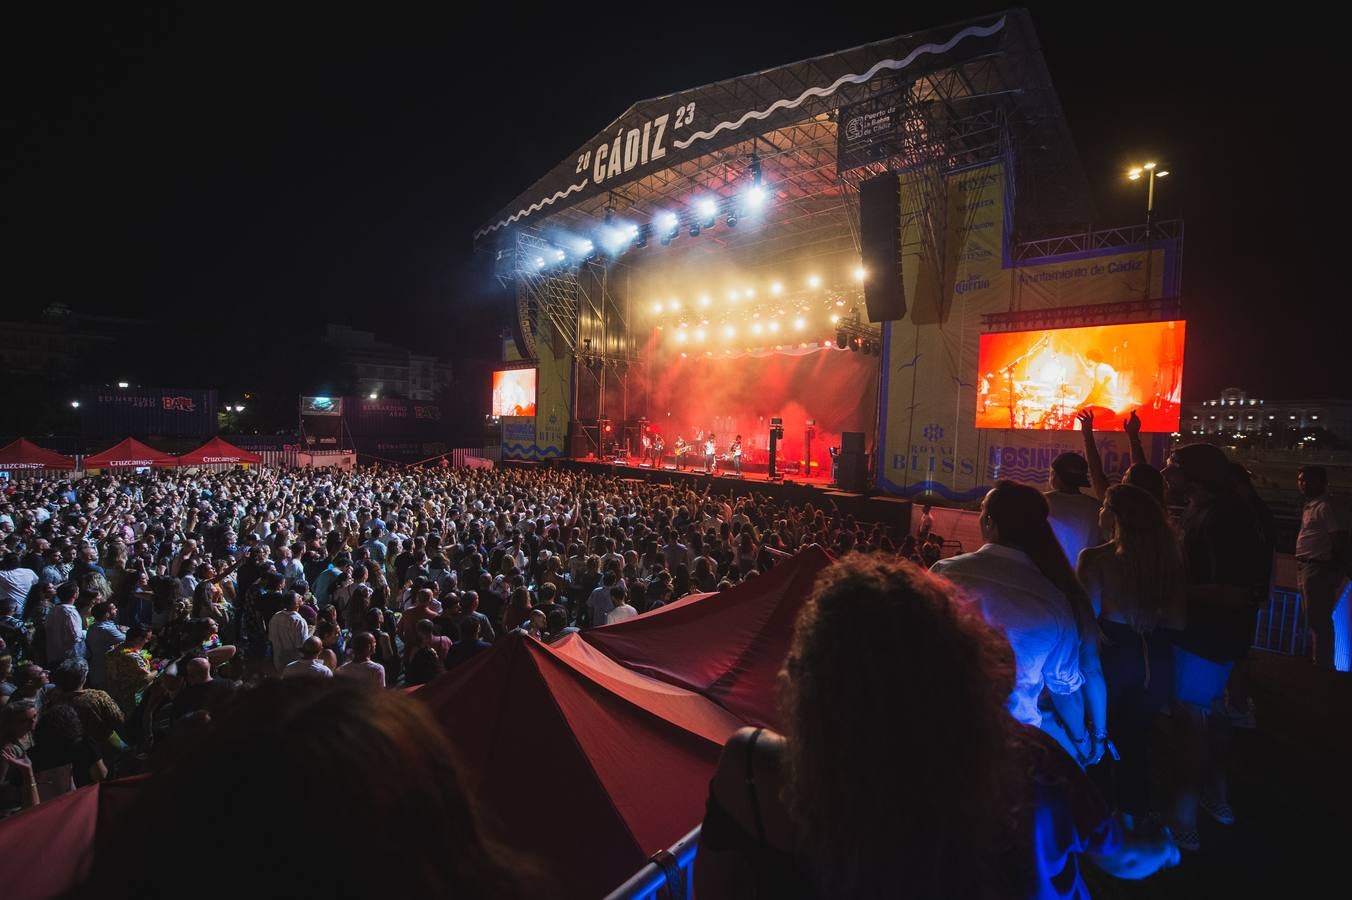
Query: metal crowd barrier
x=669 y=873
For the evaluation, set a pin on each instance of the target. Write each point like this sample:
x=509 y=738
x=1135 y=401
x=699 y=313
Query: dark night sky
x=244 y=178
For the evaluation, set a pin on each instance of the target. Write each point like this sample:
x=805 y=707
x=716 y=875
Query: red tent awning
x=130 y=452
x=24 y=454
x=728 y=647
x=587 y=767
x=217 y=452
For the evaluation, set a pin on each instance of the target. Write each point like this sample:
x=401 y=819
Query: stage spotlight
x=674 y=305
x=733 y=295
x=840 y=340
x=704 y=300
x=750 y=292
x=539 y=262
x=756 y=328
x=560 y=256
x=859 y=273
x=732 y=219
x=826 y=345
x=694 y=229
x=699 y=334
x=800 y=323
x=776 y=288
x=814 y=281
x=835 y=319
x=774 y=325
x=641 y=233
x=855 y=344
x=667 y=222
x=657 y=307
x=708 y=211
x=610 y=215
x=756 y=196
x=729 y=332
x=681 y=335
x=840 y=302
x=585 y=247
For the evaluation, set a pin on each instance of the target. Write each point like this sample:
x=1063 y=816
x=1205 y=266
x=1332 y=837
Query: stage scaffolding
x=989 y=98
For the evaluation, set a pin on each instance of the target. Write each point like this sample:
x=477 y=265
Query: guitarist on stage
x=735 y=454
x=711 y=455
x=680 y=448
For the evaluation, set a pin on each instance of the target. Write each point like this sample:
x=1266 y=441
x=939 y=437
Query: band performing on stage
x=653 y=447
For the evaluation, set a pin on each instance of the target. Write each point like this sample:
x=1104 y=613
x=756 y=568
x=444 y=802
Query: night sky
x=243 y=178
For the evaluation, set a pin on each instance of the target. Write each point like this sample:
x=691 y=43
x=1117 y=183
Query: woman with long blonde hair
x=1136 y=583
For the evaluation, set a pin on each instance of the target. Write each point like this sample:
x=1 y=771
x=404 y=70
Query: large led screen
x=514 y=392
x=1039 y=380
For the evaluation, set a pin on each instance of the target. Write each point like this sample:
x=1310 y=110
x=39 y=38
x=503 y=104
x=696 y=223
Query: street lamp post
x=1150 y=171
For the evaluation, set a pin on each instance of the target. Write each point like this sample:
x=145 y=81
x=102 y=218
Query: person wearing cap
x=1074 y=515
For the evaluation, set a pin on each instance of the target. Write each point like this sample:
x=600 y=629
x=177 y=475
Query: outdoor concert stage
x=894 y=512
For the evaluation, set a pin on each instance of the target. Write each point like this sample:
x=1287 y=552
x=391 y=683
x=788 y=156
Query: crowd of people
x=146 y=601
x=139 y=613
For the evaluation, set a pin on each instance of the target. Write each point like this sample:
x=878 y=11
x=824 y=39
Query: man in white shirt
x=15 y=580
x=287 y=631
x=620 y=608
x=65 y=626
x=598 y=602
x=1319 y=546
x=1034 y=615
x=362 y=669
x=308 y=666
x=1074 y=516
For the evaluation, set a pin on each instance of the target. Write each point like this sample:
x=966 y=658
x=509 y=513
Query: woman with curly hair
x=900 y=771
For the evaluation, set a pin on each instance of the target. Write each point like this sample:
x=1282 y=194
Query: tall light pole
x=1150 y=171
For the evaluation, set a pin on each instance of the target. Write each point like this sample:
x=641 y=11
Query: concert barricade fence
x=670 y=874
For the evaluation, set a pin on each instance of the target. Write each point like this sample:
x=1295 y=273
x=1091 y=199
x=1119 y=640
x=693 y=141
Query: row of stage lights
x=695 y=328
x=867 y=345
x=776 y=289
x=614 y=237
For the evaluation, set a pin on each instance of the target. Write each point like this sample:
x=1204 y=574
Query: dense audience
x=144 y=616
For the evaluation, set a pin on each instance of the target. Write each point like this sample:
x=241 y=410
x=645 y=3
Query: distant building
x=54 y=345
x=1236 y=415
x=385 y=369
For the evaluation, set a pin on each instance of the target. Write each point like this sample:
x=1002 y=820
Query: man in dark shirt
x=469 y=645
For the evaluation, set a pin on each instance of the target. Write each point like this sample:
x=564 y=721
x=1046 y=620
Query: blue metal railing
x=670 y=873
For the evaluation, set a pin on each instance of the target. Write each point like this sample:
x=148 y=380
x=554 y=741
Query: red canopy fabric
x=130 y=452
x=588 y=768
x=729 y=647
x=24 y=454
x=218 y=452
x=47 y=850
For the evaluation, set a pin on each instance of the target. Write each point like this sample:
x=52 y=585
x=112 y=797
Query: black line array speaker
x=851 y=471
x=880 y=239
x=852 y=442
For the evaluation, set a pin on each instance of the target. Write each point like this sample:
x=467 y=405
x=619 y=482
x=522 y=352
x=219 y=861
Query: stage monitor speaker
x=578 y=445
x=852 y=472
x=852 y=442
x=880 y=240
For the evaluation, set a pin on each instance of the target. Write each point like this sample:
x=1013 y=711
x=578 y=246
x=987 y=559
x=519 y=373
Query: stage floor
x=822 y=480
x=895 y=512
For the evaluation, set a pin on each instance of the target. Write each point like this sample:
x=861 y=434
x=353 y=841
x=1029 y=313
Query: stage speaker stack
x=851 y=464
x=880 y=240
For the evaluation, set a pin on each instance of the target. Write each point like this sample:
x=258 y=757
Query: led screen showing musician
x=514 y=392
x=1039 y=380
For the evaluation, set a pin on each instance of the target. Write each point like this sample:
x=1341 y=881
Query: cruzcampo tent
x=587 y=767
x=728 y=647
x=128 y=454
x=217 y=452
x=24 y=455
